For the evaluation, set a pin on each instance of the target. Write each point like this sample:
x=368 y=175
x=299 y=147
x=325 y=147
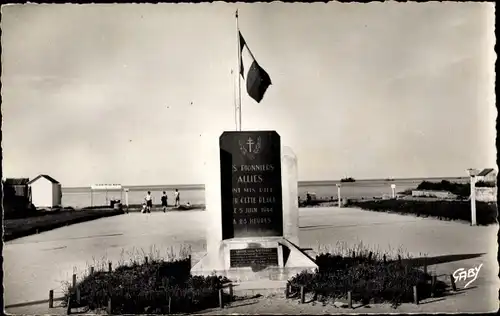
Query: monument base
x=254 y=259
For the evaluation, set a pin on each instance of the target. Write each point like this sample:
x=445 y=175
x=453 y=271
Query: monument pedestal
x=253 y=259
x=251 y=193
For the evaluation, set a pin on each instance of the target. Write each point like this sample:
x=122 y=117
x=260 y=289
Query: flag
x=256 y=78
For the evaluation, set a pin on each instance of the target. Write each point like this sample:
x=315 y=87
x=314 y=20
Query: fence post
x=51 y=299
x=415 y=295
x=230 y=292
x=221 y=301
x=109 y=309
x=349 y=299
x=453 y=285
x=385 y=259
x=433 y=285
x=370 y=256
x=78 y=295
x=74 y=281
x=68 y=308
x=91 y=270
x=302 y=295
x=146 y=259
x=110 y=266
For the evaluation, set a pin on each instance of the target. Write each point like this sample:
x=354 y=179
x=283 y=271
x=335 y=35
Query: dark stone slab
x=252 y=257
x=251 y=184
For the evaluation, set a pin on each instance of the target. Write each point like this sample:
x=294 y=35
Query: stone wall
x=433 y=194
x=486 y=194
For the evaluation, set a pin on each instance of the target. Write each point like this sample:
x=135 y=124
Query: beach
x=82 y=196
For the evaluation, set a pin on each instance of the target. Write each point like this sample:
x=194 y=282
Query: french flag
x=256 y=78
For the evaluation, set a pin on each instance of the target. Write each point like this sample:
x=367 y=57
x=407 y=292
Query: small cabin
x=46 y=192
x=16 y=195
x=487 y=175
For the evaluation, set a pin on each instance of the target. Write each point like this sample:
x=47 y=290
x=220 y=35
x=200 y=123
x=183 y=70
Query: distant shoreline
x=300 y=183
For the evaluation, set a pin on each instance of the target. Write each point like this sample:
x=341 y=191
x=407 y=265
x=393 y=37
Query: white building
x=45 y=192
x=487 y=175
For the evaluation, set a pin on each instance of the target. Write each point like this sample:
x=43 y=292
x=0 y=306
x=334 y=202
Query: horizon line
x=197 y=185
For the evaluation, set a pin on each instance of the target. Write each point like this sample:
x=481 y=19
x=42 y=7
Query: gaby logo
x=462 y=274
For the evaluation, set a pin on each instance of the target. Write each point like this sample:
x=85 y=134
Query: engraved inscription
x=249 y=257
x=251 y=185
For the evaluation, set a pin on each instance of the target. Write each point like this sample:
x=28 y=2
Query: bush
x=486 y=213
x=145 y=288
x=483 y=184
x=460 y=189
x=368 y=278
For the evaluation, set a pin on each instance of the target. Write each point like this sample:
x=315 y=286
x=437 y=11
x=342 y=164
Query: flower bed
x=148 y=288
x=368 y=276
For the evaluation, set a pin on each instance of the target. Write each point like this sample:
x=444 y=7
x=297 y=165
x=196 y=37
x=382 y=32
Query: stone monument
x=251 y=198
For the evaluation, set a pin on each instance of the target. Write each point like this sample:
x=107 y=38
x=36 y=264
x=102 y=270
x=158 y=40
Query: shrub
x=460 y=189
x=145 y=288
x=486 y=213
x=483 y=184
x=367 y=276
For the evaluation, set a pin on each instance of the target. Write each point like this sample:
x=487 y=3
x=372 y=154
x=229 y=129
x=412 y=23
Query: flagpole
x=238 y=100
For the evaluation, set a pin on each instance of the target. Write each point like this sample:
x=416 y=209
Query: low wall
x=434 y=194
x=486 y=194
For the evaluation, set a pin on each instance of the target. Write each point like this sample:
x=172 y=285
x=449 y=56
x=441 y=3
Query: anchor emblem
x=248 y=149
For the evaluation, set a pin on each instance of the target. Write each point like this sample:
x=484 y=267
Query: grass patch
x=367 y=275
x=44 y=221
x=486 y=213
x=138 y=287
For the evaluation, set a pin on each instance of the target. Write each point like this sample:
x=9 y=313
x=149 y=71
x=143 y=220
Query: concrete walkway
x=33 y=265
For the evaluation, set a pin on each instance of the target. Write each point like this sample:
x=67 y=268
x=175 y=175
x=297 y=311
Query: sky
x=126 y=93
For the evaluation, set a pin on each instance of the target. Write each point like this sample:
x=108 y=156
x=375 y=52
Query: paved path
x=33 y=265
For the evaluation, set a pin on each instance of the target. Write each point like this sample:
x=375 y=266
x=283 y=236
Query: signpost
x=393 y=188
x=472 y=174
x=103 y=187
x=338 y=194
x=126 y=197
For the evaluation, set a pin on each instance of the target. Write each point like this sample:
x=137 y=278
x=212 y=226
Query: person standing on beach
x=177 y=198
x=149 y=202
x=164 y=201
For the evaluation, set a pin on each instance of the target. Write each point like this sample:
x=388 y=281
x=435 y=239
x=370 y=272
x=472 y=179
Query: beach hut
x=16 y=195
x=45 y=192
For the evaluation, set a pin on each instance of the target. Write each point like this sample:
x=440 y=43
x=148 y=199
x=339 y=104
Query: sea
x=79 y=197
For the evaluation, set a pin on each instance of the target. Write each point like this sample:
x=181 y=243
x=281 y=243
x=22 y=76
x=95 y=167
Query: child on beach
x=177 y=198
x=164 y=200
x=149 y=202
